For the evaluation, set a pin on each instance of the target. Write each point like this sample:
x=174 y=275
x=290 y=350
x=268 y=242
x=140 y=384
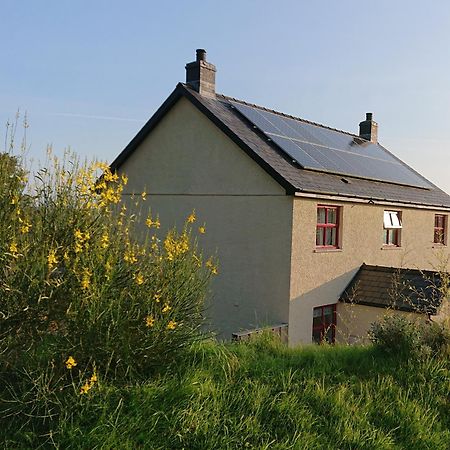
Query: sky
x=89 y=74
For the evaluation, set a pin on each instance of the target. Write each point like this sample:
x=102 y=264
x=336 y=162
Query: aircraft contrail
x=87 y=116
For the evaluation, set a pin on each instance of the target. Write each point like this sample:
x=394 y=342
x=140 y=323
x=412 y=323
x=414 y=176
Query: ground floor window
x=324 y=324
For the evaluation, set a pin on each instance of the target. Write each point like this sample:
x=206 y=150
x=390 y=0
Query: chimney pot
x=368 y=116
x=201 y=54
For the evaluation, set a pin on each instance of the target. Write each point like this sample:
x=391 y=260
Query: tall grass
x=261 y=395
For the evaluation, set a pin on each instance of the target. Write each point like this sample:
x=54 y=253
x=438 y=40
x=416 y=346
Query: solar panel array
x=326 y=150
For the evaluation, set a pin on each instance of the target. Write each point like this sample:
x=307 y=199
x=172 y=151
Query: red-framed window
x=392 y=226
x=327 y=229
x=324 y=324
x=440 y=231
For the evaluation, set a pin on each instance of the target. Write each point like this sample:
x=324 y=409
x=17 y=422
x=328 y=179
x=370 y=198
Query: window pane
x=439 y=221
x=332 y=216
x=330 y=236
x=329 y=335
x=317 y=336
x=439 y=236
x=320 y=215
x=328 y=310
x=319 y=236
x=385 y=236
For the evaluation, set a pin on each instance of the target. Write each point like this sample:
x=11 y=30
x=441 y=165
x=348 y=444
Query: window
x=392 y=222
x=324 y=324
x=327 y=230
x=440 y=225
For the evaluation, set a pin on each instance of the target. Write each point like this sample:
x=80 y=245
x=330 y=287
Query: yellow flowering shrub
x=82 y=285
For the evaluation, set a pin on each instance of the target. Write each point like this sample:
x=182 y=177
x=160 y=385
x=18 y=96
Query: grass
x=262 y=395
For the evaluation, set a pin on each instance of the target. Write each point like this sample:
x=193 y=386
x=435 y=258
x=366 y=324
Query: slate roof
x=401 y=289
x=272 y=159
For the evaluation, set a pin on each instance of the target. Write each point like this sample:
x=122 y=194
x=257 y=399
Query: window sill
x=436 y=245
x=327 y=250
x=391 y=247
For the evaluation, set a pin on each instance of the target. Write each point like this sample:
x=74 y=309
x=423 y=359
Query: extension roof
x=400 y=289
x=221 y=110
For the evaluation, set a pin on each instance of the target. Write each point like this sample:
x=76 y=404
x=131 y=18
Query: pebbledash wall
x=269 y=269
x=187 y=163
x=318 y=277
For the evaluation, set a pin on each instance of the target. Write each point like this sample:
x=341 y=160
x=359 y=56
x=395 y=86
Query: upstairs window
x=327 y=230
x=324 y=324
x=392 y=225
x=440 y=229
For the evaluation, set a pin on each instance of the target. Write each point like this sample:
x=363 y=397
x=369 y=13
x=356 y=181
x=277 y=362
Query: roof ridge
x=273 y=111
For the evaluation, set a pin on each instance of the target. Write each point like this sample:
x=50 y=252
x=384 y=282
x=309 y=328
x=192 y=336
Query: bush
x=400 y=336
x=396 y=334
x=84 y=295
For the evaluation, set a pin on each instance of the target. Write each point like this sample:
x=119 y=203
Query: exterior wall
x=354 y=321
x=319 y=276
x=187 y=163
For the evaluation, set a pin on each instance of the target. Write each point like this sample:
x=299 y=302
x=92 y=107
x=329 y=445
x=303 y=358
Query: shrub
x=396 y=334
x=400 y=336
x=84 y=294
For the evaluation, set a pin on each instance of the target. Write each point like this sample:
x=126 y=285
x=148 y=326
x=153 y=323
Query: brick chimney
x=201 y=75
x=368 y=129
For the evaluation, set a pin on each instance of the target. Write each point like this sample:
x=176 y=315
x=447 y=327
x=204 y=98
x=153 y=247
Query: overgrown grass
x=261 y=395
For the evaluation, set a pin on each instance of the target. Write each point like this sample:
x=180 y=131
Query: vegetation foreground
x=101 y=342
x=263 y=395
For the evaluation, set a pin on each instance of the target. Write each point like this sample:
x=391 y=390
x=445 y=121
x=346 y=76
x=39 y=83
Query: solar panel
x=326 y=150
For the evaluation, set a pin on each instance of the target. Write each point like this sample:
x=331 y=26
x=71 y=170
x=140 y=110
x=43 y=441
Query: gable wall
x=187 y=163
x=319 y=277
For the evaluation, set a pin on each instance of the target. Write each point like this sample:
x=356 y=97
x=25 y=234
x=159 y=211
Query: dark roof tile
x=403 y=289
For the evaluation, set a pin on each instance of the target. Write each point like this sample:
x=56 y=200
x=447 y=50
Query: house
x=295 y=210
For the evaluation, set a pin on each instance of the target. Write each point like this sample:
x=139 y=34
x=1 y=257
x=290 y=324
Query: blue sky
x=90 y=73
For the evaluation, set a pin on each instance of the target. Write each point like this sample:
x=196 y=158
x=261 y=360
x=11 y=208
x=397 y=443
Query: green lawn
x=262 y=395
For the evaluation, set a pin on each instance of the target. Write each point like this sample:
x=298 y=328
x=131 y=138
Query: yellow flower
x=13 y=248
x=70 y=362
x=157 y=297
x=214 y=270
x=144 y=196
x=25 y=228
x=85 y=388
x=171 y=325
x=153 y=223
x=93 y=378
x=86 y=279
x=191 y=218
x=124 y=179
x=202 y=229
x=51 y=259
x=166 y=308
x=105 y=241
x=149 y=321
x=130 y=257
x=14 y=201
x=139 y=279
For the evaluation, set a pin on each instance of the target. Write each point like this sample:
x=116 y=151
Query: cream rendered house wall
x=319 y=277
x=187 y=163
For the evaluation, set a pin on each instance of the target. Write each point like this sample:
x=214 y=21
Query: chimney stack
x=201 y=75
x=368 y=129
